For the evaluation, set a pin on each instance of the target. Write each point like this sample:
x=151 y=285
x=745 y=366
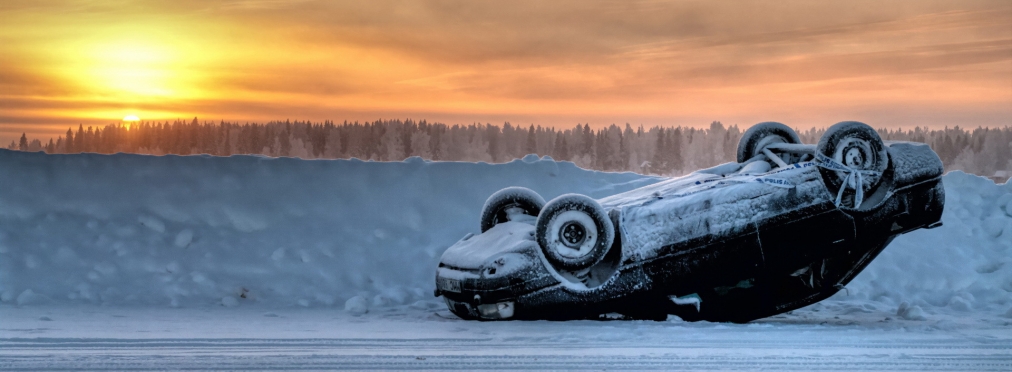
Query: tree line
x=654 y=150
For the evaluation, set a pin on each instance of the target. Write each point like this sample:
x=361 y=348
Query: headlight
x=502 y=310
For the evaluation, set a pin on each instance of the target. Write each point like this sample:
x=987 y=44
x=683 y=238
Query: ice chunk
x=325 y=299
x=184 y=238
x=278 y=255
x=908 y=312
x=960 y=304
x=152 y=223
x=29 y=297
x=692 y=299
x=994 y=225
x=229 y=301
x=356 y=305
x=31 y=262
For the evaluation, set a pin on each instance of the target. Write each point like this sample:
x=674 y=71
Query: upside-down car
x=786 y=225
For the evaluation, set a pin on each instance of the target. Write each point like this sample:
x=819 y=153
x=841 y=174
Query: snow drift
x=185 y=230
x=964 y=265
x=135 y=230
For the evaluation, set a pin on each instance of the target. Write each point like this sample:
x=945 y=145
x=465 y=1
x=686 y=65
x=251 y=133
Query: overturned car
x=786 y=225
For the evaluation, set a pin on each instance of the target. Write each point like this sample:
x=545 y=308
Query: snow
x=249 y=338
x=250 y=262
x=477 y=250
x=692 y=299
x=917 y=159
x=963 y=267
x=132 y=230
x=136 y=230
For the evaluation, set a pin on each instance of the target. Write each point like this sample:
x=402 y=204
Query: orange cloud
x=901 y=63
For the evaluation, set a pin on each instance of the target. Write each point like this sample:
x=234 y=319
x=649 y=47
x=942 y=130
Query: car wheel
x=852 y=158
x=764 y=134
x=511 y=201
x=574 y=232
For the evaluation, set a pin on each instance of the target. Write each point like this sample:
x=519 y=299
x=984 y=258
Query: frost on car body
x=736 y=242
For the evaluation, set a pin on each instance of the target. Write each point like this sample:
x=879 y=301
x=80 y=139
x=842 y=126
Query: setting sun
x=131 y=118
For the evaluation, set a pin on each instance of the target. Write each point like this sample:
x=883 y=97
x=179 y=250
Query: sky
x=894 y=64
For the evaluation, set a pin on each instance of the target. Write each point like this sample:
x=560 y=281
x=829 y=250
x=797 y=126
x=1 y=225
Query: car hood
x=476 y=251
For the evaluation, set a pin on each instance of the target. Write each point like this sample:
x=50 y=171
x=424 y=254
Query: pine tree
x=284 y=139
x=658 y=164
x=23 y=144
x=71 y=146
x=494 y=146
x=561 y=148
x=675 y=150
x=625 y=148
x=532 y=142
x=80 y=142
x=437 y=142
x=407 y=131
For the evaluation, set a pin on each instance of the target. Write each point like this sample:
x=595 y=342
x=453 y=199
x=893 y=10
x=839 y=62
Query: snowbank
x=134 y=230
x=965 y=265
x=190 y=230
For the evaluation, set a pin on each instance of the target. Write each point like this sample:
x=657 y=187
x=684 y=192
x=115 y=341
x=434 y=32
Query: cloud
x=555 y=62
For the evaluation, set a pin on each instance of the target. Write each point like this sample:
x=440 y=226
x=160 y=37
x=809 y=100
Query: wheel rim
x=573 y=235
x=855 y=153
x=857 y=160
x=853 y=158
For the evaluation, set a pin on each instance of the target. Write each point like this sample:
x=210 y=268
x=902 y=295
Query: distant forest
x=656 y=150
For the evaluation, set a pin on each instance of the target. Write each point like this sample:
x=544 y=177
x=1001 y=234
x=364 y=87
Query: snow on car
x=786 y=225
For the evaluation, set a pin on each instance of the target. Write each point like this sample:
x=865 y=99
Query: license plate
x=446 y=284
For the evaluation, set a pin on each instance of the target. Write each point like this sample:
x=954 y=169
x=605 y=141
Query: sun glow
x=130 y=68
x=130 y=120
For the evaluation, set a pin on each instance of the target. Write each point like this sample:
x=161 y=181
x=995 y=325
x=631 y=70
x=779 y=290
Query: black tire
x=857 y=146
x=760 y=135
x=494 y=210
x=574 y=232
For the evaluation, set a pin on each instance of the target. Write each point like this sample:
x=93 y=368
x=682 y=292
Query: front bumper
x=494 y=311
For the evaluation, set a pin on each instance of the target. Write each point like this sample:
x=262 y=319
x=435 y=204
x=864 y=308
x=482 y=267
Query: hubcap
x=854 y=158
x=573 y=235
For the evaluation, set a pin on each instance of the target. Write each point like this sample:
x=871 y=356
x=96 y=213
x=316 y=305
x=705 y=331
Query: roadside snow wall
x=187 y=230
x=965 y=265
x=136 y=230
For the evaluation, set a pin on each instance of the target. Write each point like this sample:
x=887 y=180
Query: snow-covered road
x=217 y=338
